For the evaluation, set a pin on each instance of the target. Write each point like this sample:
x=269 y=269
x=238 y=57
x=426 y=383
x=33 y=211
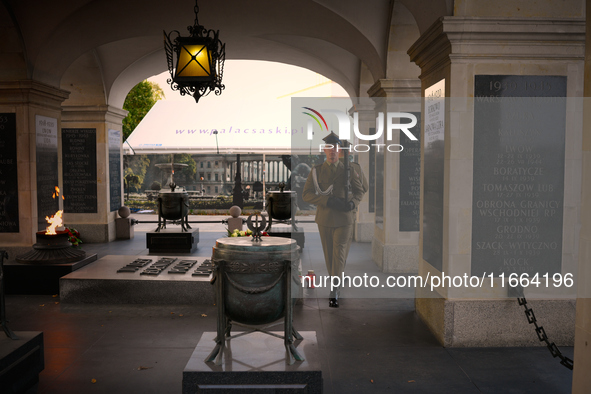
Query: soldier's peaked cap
x=332 y=138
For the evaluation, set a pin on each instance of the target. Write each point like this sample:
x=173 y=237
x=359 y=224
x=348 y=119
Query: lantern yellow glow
x=193 y=61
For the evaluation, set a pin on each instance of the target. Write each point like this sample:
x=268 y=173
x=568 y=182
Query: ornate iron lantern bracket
x=195 y=63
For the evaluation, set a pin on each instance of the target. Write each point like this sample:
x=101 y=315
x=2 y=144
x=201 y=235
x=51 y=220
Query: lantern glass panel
x=193 y=61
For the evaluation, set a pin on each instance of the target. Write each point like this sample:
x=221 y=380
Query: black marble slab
x=47 y=169
x=410 y=179
x=39 y=278
x=433 y=143
x=372 y=175
x=9 y=221
x=115 y=170
x=79 y=170
x=172 y=240
x=518 y=181
x=379 y=184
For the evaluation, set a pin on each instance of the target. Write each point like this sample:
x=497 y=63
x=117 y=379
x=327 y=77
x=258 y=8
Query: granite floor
x=371 y=344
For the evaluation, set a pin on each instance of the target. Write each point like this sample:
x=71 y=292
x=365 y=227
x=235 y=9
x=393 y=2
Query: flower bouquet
x=74 y=237
x=246 y=233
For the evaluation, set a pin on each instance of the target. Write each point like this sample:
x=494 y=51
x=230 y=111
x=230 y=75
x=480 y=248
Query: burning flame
x=55 y=220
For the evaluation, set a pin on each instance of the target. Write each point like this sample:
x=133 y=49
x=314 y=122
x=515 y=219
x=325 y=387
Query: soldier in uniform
x=326 y=187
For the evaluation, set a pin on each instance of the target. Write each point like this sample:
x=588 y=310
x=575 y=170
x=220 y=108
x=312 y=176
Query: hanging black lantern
x=195 y=63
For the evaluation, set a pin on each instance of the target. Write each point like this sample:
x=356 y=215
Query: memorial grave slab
x=119 y=280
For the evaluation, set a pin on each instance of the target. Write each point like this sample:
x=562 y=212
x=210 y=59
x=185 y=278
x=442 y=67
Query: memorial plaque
x=47 y=168
x=379 y=170
x=410 y=179
x=79 y=169
x=8 y=175
x=518 y=181
x=115 y=169
x=433 y=185
x=372 y=175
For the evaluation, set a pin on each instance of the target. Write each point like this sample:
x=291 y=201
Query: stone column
x=93 y=219
x=395 y=244
x=364 y=223
x=582 y=359
x=29 y=107
x=456 y=50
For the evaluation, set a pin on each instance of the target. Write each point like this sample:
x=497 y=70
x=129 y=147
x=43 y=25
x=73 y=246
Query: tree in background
x=140 y=99
x=188 y=173
x=136 y=166
x=183 y=177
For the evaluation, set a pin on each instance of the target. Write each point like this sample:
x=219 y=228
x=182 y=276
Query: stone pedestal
x=21 y=361
x=287 y=232
x=39 y=278
x=254 y=363
x=124 y=228
x=455 y=237
x=235 y=224
x=172 y=240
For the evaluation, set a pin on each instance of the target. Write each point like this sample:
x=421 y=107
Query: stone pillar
x=394 y=244
x=35 y=108
x=95 y=220
x=364 y=223
x=453 y=52
x=582 y=359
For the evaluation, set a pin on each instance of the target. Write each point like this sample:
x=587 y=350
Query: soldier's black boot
x=333 y=301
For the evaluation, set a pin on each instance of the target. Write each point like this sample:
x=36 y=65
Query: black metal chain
x=531 y=319
x=196 y=10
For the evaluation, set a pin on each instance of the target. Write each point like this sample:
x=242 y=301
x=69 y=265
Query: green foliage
x=140 y=99
x=155 y=186
x=136 y=165
x=187 y=172
x=131 y=180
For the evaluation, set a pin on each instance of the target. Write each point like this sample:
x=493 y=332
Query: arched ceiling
x=331 y=37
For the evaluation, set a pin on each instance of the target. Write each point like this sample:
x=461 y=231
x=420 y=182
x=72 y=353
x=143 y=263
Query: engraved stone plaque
x=79 y=169
x=9 y=222
x=433 y=143
x=47 y=179
x=518 y=181
x=372 y=175
x=410 y=179
x=379 y=184
x=115 y=169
